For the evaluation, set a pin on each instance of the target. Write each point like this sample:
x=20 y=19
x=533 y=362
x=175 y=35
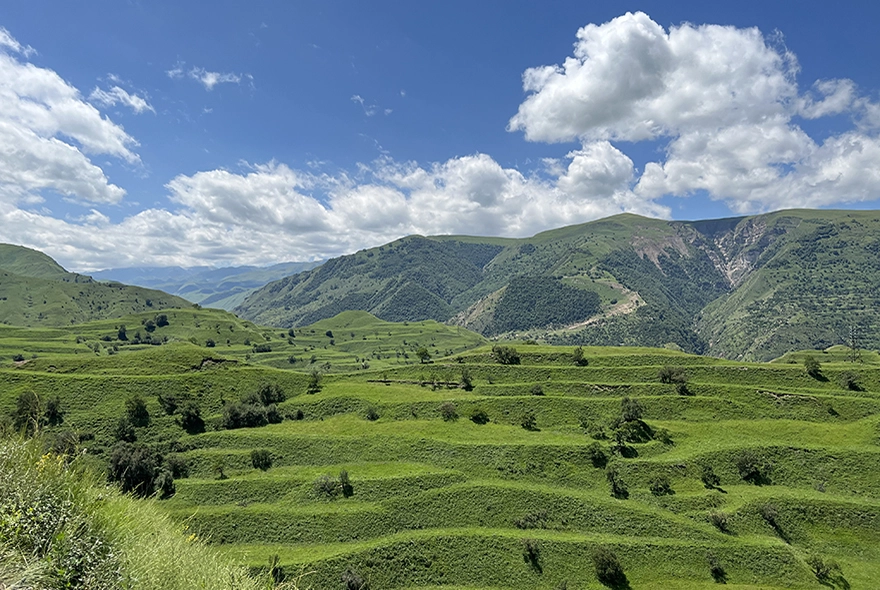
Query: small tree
x=532 y=554
x=608 y=568
x=505 y=355
x=467 y=382
x=423 y=354
x=326 y=487
x=849 y=380
x=27 y=416
x=660 y=486
x=752 y=468
x=121 y=333
x=529 y=421
x=670 y=374
x=448 y=411
x=136 y=410
x=372 y=413
x=261 y=459
x=577 y=357
x=124 y=430
x=719 y=520
x=618 y=486
x=351 y=580
x=191 y=417
x=596 y=455
x=54 y=414
x=812 y=367
x=135 y=467
x=314 y=385
x=345 y=484
x=631 y=410
x=169 y=403
x=708 y=477
x=270 y=393
x=537 y=389
x=479 y=416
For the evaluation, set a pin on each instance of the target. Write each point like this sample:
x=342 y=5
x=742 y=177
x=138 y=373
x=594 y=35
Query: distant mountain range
x=36 y=291
x=222 y=288
x=745 y=287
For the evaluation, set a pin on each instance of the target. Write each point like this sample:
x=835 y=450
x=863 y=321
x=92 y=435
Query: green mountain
x=36 y=291
x=223 y=288
x=747 y=288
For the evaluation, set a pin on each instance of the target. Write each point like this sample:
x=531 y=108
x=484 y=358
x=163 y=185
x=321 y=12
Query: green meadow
x=417 y=455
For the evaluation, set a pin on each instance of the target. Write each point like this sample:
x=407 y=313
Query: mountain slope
x=36 y=291
x=747 y=287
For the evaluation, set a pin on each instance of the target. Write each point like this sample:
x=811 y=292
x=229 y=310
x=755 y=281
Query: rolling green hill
x=36 y=291
x=748 y=288
x=463 y=472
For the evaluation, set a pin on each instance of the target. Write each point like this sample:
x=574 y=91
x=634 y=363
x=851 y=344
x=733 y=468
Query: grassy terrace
x=437 y=500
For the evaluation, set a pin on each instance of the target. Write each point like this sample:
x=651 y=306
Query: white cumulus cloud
x=47 y=133
x=725 y=99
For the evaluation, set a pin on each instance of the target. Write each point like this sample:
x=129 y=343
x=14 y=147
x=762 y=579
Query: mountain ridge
x=700 y=285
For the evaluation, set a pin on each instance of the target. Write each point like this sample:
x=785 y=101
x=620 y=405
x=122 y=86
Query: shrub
x=505 y=355
x=577 y=357
x=326 y=487
x=124 y=430
x=608 y=568
x=596 y=455
x=372 y=413
x=812 y=367
x=752 y=468
x=532 y=520
x=716 y=569
x=240 y=415
x=345 y=484
x=135 y=468
x=209 y=343
x=532 y=553
x=537 y=389
x=448 y=411
x=314 y=385
x=351 y=580
x=27 y=414
x=191 y=418
x=467 y=382
x=164 y=484
x=618 y=486
x=823 y=569
x=260 y=348
x=169 y=403
x=630 y=410
x=270 y=393
x=669 y=374
x=161 y=320
x=529 y=421
x=708 y=477
x=660 y=486
x=261 y=459
x=479 y=416
x=770 y=515
x=177 y=465
x=719 y=520
x=423 y=354
x=136 y=410
x=849 y=380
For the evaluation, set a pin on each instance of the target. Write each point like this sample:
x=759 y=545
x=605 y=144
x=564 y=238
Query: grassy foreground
x=61 y=527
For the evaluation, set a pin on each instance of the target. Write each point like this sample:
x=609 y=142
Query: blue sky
x=186 y=133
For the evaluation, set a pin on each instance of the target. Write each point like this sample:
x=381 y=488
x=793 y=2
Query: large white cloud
x=725 y=99
x=47 y=132
x=270 y=213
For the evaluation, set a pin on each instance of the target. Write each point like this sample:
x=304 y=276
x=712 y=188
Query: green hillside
x=748 y=288
x=490 y=467
x=36 y=291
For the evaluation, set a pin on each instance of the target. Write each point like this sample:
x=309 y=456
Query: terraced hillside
x=744 y=473
x=488 y=468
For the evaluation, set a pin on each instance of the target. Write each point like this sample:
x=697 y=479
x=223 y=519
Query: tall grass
x=61 y=527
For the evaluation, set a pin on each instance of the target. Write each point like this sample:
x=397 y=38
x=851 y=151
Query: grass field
x=436 y=500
